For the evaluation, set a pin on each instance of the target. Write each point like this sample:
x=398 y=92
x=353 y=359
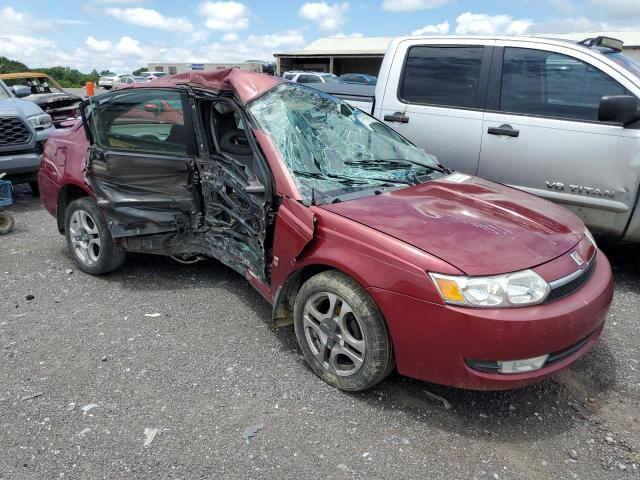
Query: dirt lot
x=86 y=367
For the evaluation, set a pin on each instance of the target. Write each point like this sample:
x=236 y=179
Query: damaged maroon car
x=377 y=254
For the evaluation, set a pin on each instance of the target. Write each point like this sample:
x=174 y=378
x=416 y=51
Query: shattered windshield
x=332 y=149
x=37 y=85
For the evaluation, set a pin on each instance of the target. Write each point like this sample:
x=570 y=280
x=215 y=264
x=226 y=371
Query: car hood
x=478 y=226
x=15 y=106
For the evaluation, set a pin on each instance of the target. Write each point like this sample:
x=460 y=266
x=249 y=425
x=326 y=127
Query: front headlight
x=510 y=290
x=40 y=121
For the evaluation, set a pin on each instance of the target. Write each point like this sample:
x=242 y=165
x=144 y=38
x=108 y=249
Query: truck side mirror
x=621 y=109
x=21 y=91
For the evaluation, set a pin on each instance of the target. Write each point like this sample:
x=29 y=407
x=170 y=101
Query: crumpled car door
x=141 y=162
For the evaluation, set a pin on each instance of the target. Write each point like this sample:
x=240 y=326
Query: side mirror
x=621 y=109
x=21 y=91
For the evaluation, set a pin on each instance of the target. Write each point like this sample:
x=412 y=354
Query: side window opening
x=141 y=120
x=537 y=82
x=427 y=66
x=230 y=136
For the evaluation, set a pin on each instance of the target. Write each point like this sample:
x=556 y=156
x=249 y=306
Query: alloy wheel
x=334 y=333
x=85 y=237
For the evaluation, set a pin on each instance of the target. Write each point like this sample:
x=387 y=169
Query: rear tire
x=7 y=222
x=89 y=239
x=341 y=332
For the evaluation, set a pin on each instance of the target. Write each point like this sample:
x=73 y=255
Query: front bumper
x=434 y=342
x=20 y=167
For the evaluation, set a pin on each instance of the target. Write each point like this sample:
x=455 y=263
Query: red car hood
x=478 y=226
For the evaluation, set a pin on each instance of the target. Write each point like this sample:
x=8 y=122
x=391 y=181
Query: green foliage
x=11 y=66
x=138 y=71
x=65 y=76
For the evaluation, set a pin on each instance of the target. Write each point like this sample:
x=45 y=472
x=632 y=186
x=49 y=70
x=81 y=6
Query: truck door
x=541 y=132
x=434 y=96
x=141 y=160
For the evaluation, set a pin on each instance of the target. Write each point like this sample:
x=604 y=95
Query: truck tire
x=7 y=222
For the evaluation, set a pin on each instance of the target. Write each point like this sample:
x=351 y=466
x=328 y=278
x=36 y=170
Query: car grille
x=562 y=291
x=13 y=131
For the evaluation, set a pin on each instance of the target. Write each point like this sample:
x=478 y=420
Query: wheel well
x=67 y=194
x=283 y=307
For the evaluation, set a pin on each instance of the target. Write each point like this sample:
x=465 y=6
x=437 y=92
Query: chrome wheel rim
x=334 y=333
x=85 y=237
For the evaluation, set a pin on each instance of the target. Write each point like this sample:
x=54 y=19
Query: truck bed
x=359 y=96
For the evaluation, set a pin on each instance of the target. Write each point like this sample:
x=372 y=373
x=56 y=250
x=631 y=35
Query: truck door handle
x=506 y=130
x=397 y=117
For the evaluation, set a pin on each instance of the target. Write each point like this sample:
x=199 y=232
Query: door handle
x=506 y=130
x=397 y=117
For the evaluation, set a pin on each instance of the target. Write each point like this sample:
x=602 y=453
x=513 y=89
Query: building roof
x=333 y=46
x=344 y=46
x=630 y=39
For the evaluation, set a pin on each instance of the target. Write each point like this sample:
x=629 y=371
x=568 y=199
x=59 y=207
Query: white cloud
x=230 y=37
x=347 y=35
x=409 y=5
x=481 y=24
x=439 y=29
x=328 y=17
x=147 y=17
x=224 y=16
x=98 y=45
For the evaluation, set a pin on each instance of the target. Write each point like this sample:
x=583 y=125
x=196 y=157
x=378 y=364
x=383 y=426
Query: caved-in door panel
x=142 y=193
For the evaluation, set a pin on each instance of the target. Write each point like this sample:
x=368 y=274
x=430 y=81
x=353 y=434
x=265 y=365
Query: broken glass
x=329 y=146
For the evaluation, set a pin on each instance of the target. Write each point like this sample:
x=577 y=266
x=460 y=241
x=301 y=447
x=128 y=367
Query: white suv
x=311 y=77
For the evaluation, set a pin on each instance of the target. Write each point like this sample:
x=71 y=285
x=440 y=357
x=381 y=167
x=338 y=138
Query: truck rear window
x=442 y=75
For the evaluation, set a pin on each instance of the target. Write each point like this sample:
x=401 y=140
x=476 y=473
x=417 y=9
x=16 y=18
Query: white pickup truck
x=555 y=118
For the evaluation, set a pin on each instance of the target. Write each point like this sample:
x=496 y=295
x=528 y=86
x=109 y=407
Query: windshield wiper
x=351 y=180
x=398 y=162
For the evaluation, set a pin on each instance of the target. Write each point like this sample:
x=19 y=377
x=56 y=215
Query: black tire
x=7 y=222
x=109 y=256
x=35 y=189
x=377 y=360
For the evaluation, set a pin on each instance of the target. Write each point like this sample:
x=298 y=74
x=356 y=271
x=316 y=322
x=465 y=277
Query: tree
x=12 y=66
x=139 y=71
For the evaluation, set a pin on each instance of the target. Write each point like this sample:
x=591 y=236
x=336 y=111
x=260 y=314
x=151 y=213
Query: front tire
x=89 y=239
x=341 y=332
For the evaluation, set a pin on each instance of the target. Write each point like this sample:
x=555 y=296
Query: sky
x=122 y=35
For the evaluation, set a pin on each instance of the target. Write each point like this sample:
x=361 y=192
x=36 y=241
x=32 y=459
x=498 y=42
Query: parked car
x=358 y=79
x=554 y=118
x=311 y=77
x=107 y=81
x=377 y=254
x=153 y=75
x=129 y=79
x=24 y=129
x=44 y=91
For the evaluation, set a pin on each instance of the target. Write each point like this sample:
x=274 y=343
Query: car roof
x=243 y=84
x=9 y=76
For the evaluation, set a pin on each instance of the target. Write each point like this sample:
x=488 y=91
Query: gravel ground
x=85 y=371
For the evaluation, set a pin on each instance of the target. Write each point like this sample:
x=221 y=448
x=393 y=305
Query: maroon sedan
x=378 y=255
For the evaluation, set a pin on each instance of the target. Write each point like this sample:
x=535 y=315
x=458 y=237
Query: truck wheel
x=341 y=332
x=7 y=222
x=89 y=240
